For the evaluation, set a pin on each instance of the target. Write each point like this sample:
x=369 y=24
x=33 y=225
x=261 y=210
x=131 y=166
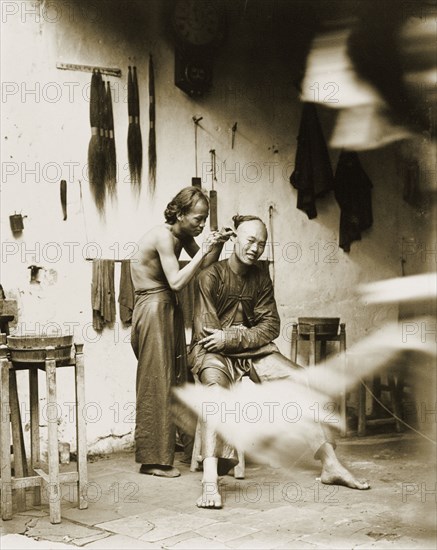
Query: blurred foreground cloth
x=272 y=420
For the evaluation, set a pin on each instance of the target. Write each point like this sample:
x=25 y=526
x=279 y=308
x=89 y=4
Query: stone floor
x=271 y=508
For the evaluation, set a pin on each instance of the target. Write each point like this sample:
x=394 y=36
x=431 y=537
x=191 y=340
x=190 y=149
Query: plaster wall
x=45 y=135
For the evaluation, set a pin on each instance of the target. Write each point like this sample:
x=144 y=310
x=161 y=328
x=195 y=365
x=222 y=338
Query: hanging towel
x=312 y=175
x=352 y=189
x=126 y=296
x=103 y=293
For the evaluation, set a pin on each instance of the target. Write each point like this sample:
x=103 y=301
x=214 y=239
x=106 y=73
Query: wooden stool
x=392 y=386
x=40 y=477
x=323 y=330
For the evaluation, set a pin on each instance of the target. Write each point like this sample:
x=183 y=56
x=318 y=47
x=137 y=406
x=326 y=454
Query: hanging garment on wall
x=103 y=293
x=126 y=296
x=352 y=188
x=152 y=131
x=312 y=175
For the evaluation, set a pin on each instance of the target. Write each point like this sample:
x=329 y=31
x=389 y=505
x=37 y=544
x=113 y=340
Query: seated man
x=235 y=323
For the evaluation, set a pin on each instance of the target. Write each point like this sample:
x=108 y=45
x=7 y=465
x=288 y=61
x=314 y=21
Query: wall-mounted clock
x=198 y=24
x=199 y=28
x=193 y=73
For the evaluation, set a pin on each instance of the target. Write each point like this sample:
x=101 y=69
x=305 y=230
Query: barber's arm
x=214 y=254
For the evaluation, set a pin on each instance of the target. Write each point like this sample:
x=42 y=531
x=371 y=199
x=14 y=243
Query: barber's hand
x=216 y=239
x=225 y=233
x=215 y=341
x=211 y=241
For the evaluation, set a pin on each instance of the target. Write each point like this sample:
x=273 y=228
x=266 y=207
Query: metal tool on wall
x=64 y=198
x=196 y=181
x=213 y=217
x=234 y=129
x=152 y=129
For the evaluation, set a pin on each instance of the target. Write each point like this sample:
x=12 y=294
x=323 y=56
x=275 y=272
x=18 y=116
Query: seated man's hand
x=215 y=341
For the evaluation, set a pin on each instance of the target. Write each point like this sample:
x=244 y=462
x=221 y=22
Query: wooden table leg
x=5 y=443
x=54 y=494
x=81 y=427
x=35 y=455
x=20 y=461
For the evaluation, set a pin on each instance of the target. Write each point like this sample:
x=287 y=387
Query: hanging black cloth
x=312 y=175
x=352 y=188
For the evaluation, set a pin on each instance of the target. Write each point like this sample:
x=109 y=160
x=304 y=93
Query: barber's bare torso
x=146 y=268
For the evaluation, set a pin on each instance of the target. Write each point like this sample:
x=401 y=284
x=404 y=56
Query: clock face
x=197 y=22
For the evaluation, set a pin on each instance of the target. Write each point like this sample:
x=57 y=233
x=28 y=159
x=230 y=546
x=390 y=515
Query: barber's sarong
x=158 y=341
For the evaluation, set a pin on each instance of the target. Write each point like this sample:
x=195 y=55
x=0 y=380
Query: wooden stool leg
x=294 y=337
x=81 y=428
x=197 y=448
x=5 y=443
x=343 y=394
x=361 y=410
x=53 y=453
x=35 y=455
x=395 y=402
x=312 y=352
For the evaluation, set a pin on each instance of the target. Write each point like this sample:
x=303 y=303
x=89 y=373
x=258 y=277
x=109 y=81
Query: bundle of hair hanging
x=102 y=162
x=111 y=176
x=152 y=135
x=134 y=139
x=96 y=164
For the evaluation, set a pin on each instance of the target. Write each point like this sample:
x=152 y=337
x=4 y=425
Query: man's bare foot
x=211 y=497
x=337 y=474
x=159 y=470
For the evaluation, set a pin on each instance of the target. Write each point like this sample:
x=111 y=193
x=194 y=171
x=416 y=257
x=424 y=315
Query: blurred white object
x=273 y=420
x=401 y=289
x=366 y=127
x=330 y=78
